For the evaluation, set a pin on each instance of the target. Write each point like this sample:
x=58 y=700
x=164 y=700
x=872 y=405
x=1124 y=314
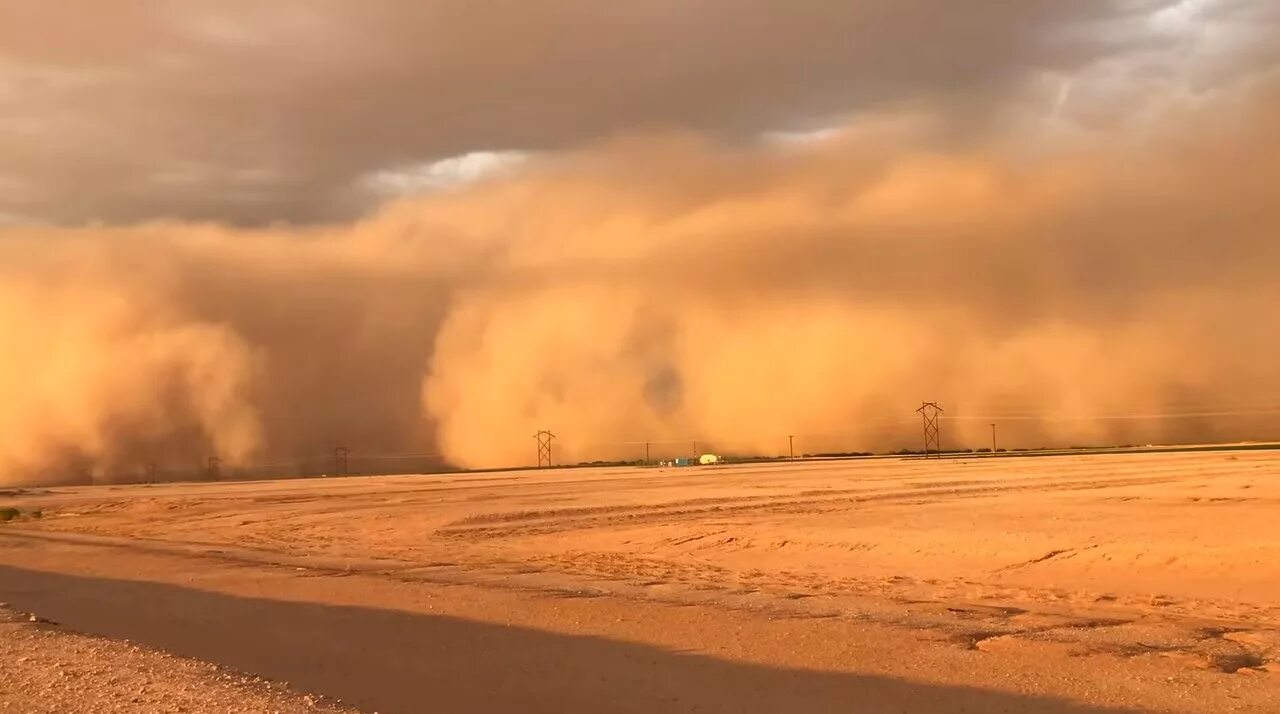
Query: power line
x=544 y=448
x=879 y=430
x=1109 y=417
x=395 y=457
x=929 y=413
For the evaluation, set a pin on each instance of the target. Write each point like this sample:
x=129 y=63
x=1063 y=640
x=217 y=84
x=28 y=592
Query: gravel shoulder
x=47 y=668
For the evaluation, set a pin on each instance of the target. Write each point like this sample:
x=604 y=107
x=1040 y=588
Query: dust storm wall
x=669 y=287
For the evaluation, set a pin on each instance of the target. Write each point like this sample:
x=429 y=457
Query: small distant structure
x=704 y=460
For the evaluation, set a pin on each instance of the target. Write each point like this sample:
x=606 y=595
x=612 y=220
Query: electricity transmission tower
x=929 y=412
x=213 y=468
x=340 y=460
x=544 y=448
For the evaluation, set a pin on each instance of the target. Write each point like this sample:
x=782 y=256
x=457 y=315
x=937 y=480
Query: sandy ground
x=1143 y=582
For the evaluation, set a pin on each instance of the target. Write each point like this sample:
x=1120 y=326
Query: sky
x=307 y=111
x=260 y=230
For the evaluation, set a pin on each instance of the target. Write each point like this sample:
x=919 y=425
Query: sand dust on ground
x=1110 y=582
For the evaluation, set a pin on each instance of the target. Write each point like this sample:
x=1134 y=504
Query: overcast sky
x=248 y=112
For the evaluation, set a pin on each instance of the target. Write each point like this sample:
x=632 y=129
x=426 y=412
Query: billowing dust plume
x=666 y=289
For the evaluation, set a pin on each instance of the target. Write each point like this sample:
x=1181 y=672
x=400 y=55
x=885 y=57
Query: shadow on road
x=391 y=661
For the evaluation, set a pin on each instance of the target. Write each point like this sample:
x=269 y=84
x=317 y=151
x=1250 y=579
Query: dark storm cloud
x=253 y=112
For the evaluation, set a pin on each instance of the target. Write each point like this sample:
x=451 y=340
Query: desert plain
x=1074 y=583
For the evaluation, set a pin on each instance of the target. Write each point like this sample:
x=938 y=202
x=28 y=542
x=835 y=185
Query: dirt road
x=1070 y=584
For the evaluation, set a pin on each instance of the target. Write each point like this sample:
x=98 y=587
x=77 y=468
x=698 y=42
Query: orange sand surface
x=1137 y=582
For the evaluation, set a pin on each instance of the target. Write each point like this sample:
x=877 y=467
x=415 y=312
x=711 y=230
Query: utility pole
x=646 y=453
x=791 y=445
x=929 y=412
x=993 y=439
x=340 y=460
x=695 y=449
x=544 y=448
